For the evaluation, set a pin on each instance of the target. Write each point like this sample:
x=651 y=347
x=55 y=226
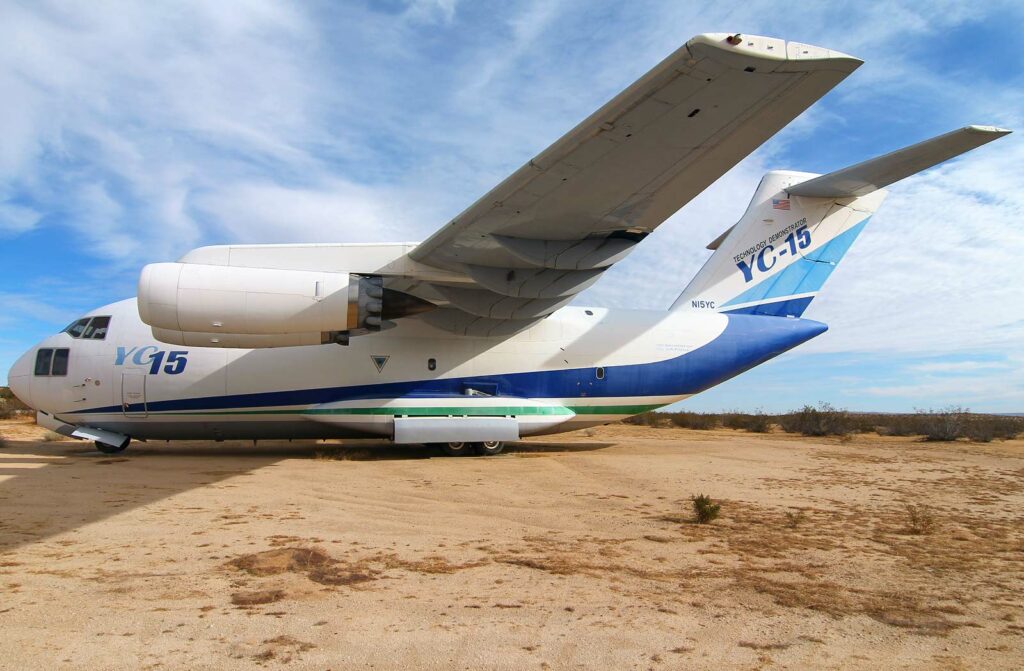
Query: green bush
x=704 y=509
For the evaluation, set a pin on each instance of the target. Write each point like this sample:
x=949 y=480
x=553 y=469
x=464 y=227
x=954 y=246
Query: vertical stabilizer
x=798 y=226
x=777 y=257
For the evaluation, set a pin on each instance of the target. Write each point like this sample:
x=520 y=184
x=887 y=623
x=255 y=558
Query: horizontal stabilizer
x=876 y=173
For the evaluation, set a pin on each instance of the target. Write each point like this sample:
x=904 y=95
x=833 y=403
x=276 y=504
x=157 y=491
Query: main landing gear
x=484 y=449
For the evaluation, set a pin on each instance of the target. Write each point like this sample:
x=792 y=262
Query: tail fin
x=798 y=226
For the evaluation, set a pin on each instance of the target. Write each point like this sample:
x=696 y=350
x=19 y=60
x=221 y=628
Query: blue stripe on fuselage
x=747 y=341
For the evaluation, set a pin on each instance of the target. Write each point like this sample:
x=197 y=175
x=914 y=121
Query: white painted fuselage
x=580 y=367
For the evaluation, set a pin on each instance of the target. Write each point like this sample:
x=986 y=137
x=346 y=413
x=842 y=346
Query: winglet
x=876 y=173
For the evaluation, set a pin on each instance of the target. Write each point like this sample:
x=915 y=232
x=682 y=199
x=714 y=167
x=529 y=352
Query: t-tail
x=798 y=226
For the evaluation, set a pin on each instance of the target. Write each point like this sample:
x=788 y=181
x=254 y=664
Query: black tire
x=112 y=449
x=489 y=448
x=456 y=449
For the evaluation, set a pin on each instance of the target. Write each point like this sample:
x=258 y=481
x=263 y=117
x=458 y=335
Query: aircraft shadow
x=48 y=489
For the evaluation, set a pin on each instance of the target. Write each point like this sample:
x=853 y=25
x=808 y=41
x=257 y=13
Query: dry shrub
x=764 y=646
x=757 y=422
x=795 y=518
x=947 y=424
x=699 y=421
x=11 y=406
x=920 y=519
x=643 y=419
x=823 y=420
x=826 y=420
x=943 y=425
x=704 y=509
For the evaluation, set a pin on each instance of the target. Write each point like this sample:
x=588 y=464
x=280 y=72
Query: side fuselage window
x=52 y=361
x=43 y=359
x=60 y=362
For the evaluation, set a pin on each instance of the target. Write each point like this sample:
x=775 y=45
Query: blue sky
x=133 y=133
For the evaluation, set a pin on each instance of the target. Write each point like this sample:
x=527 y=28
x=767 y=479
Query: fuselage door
x=133 y=393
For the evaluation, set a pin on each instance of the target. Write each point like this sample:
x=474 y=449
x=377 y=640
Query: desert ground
x=577 y=551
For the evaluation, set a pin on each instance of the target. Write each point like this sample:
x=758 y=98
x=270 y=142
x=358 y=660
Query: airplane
x=467 y=340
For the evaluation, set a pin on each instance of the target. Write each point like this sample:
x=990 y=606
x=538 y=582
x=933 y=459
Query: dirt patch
x=320 y=567
x=281 y=649
x=257 y=598
x=282 y=560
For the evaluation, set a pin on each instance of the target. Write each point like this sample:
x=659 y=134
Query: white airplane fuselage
x=579 y=367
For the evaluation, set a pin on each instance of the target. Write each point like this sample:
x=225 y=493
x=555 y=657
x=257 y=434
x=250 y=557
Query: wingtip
x=988 y=130
x=773 y=48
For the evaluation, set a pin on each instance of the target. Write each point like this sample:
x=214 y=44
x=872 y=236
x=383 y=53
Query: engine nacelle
x=187 y=298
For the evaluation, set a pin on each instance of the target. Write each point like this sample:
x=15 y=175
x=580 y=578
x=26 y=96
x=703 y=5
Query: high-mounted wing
x=551 y=228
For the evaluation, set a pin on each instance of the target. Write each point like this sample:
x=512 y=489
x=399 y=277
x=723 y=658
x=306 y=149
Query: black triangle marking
x=379 y=360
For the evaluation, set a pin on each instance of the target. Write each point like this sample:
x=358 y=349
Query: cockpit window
x=52 y=361
x=75 y=330
x=89 y=328
x=97 y=328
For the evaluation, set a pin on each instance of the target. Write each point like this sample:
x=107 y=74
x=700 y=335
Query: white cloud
x=16 y=218
x=955 y=367
x=258 y=211
x=978 y=390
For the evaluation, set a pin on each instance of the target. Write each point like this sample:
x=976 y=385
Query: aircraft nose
x=19 y=378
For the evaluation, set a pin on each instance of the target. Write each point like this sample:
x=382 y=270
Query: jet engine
x=230 y=306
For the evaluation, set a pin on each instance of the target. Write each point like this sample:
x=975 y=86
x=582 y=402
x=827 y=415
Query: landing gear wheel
x=456 y=449
x=489 y=448
x=112 y=449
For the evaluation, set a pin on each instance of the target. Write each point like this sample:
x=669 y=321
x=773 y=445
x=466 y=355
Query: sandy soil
x=579 y=553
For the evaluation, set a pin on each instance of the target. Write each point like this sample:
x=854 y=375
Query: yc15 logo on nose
x=170 y=362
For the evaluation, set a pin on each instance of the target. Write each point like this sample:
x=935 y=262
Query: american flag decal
x=780 y=203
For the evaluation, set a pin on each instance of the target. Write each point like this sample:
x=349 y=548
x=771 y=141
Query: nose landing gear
x=107 y=448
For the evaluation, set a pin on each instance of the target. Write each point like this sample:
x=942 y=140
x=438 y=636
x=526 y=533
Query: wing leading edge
x=550 y=229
